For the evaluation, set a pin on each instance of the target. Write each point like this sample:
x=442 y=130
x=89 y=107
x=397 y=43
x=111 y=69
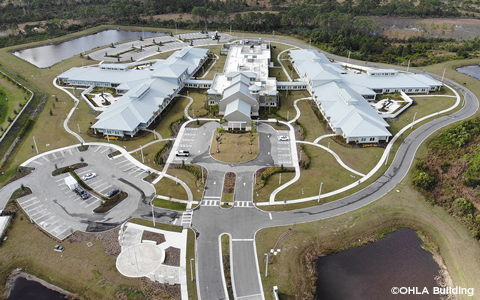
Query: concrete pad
x=140 y=260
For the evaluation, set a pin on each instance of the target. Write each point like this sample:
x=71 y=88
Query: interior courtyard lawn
x=323 y=168
x=169 y=188
x=263 y=194
x=198 y=104
x=423 y=106
x=310 y=121
x=219 y=65
x=286 y=103
x=234 y=147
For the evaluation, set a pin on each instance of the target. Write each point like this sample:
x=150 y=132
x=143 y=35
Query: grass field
x=96 y=276
x=263 y=195
x=191 y=181
x=192 y=285
x=422 y=106
x=11 y=99
x=198 y=102
x=286 y=103
x=310 y=121
x=234 y=147
x=323 y=168
x=169 y=188
x=169 y=204
x=158 y=225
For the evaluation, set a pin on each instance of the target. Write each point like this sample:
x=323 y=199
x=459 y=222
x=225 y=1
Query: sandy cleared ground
x=400 y=27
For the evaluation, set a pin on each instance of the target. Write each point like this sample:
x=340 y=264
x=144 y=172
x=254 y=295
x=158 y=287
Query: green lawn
x=423 y=106
x=11 y=100
x=158 y=225
x=169 y=204
x=190 y=180
x=169 y=188
x=323 y=168
x=198 y=104
x=192 y=285
x=286 y=103
x=263 y=195
x=219 y=65
x=310 y=121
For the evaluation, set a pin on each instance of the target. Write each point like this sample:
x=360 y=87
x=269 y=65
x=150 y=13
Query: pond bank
x=24 y=286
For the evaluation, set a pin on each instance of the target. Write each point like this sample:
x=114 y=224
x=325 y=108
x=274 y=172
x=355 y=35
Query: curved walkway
x=383 y=160
x=76 y=101
x=297 y=116
x=281 y=64
x=185 y=111
x=317 y=140
x=151 y=143
x=339 y=160
x=158 y=135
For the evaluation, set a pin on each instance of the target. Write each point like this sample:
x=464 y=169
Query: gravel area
x=109 y=239
x=154 y=290
x=172 y=257
x=153 y=236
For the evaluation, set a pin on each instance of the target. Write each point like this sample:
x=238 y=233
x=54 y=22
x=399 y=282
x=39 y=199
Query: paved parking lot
x=284 y=153
x=60 y=211
x=147 y=48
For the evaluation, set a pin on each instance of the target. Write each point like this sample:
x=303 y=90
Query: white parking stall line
x=93 y=202
x=31 y=211
x=121 y=162
x=38 y=212
x=42 y=216
x=48 y=220
x=134 y=170
x=129 y=165
x=45 y=159
x=83 y=172
x=106 y=149
x=61 y=179
x=97 y=186
x=70 y=151
x=61 y=232
x=54 y=156
x=55 y=222
x=37 y=162
x=139 y=174
x=25 y=207
x=98 y=148
x=31 y=199
x=64 y=188
x=284 y=154
x=94 y=184
x=107 y=188
x=72 y=195
x=63 y=154
x=283 y=149
x=284 y=143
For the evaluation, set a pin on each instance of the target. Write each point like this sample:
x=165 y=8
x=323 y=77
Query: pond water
x=47 y=56
x=25 y=289
x=371 y=271
x=473 y=71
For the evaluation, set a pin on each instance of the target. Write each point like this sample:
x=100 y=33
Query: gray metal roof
x=237 y=106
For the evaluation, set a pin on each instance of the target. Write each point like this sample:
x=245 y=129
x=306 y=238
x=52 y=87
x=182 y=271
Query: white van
x=182 y=153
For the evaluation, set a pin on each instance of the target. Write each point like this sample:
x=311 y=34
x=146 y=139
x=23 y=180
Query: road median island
x=225 y=245
x=234 y=147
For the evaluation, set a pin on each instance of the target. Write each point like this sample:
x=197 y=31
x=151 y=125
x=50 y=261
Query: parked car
x=283 y=138
x=84 y=195
x=113 y=193
x=58 y=248
x=182 y=153
x=89 y=176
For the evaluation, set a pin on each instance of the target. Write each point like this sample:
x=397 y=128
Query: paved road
x=242 y=222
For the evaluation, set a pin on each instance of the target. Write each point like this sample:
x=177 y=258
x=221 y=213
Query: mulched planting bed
x=153 y=236
x=172 y=257
x=111 y=203
x=21 y=172
x=21 y=193
x=229 y=185
x=109 y=239
x=150 y=177
x=68 y=168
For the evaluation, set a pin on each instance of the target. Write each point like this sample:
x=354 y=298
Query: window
x=212 y=102
x=363 y=139
x=372 y=139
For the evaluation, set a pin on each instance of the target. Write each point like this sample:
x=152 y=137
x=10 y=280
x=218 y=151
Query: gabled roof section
x=239 y=87
x=238 y=106
x=240 y=77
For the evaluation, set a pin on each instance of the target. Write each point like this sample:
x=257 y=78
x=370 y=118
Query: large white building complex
x=146 y=88
x=244 y=86
x=343 y=96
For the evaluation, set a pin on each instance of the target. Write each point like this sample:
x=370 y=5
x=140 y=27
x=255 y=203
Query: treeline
x=301 y=13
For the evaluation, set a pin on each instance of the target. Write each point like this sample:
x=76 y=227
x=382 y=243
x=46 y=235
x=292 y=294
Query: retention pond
x=372 y=271
x=473 y=71
x=47 y=56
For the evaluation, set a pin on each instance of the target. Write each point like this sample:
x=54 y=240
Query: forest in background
x=332 y=26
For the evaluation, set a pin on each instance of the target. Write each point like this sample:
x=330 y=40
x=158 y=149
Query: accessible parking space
x=283 y=147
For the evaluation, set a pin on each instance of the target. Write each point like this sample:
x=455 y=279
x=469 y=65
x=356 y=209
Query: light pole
x=280 y=179
x=408 y=67
x=191 y=268
x=141 y=150
x=443 y=74
x=348 y=61
x=78 y=125
x=36 y=148
x=320 y=191
x=266 y=266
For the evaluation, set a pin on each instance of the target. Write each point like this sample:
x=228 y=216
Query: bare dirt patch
x=109 y=239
